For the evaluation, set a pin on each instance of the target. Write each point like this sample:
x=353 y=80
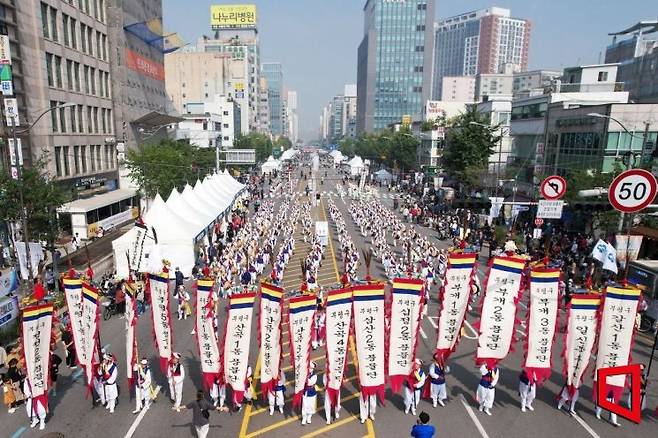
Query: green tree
x=402 y=149
x=261 y=143
x=589 y=179
x=41 y=196
x=283 y=142
x=468 y=148
x=347 y=146
x=160 y=167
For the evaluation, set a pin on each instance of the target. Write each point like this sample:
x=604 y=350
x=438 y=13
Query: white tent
x=356 y=165
x=176 y=203
x=383 y=175
x=338 y=157
x=205 y=210
x=270 y=165
x=289 y=154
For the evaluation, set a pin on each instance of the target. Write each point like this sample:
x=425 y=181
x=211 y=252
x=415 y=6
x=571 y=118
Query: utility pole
x=645 y=137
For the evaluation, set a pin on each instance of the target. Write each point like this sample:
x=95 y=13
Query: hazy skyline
x=317 y=41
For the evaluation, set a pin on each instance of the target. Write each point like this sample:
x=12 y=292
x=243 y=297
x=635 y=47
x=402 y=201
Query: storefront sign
x=144 y=66
x=8 y=310
x=112 y=221
x=5 y=50
x=231 y=16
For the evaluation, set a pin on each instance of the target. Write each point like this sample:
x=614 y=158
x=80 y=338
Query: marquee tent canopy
x=270 y=165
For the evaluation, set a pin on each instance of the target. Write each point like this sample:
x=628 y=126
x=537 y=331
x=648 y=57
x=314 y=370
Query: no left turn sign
x=632 y=190
x=554 y=187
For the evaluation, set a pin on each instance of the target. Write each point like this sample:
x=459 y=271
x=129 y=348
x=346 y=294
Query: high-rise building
x=482 y=41
x=338 y=118
x=292 y=117
x=349 y=111
x=394 y=70
x=535 y=81
x=273 y=73
x=458 y=89
x=263 y=118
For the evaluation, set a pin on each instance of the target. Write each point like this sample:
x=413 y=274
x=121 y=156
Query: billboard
x=232 y=16
x=143 y=66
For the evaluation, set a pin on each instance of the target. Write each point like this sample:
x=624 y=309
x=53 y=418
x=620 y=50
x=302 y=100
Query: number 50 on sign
x=632 y=190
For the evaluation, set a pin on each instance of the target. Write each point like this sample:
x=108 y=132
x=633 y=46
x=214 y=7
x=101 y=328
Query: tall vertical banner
x=498 y=315
x=269 y=331
x=90 y=315
x=159 y=287
x=301 y=316
x=405 y=307
x=130 y=315
x=37 y=330
x=542 y=321
x=454 y=296
x=205 y=332
x=338 y=310
x=370 y=333
x=237 y=339
x=616 y=335
x=582 y=320
x=73 y=296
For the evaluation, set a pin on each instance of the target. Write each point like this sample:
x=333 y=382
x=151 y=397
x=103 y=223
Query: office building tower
x=273 y=73
x=394 y=66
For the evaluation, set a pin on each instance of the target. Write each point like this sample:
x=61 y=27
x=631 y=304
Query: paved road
x=73 y=415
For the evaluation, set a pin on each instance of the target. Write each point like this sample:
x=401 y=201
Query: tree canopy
x=395 y=149
x=41 y=194
x=261 y=143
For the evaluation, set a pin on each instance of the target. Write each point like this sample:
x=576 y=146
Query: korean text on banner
x=206 y=333
x=498 y=316
x=405 y=308
x=581 y=332
x=73 y=297
x=455 y=294
x=37 y=330
x=301 y=315
x=338 y=321
x=130 y=315
x=90 y=314
x=271 y=311
x=542 y=319
x=369 y=332
x=237 y=339
x=159 y=287
x=616 y=335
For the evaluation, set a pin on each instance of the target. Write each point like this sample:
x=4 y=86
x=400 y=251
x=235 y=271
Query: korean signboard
x=232 y=16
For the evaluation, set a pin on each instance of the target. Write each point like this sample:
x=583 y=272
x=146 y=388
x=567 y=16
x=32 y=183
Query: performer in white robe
x=175 y=376
x=568 y=396
x=317 y=337
x=110 y=373
x=413 y=387
x=486 y=392
x=437 y=373
x=527 y=390
x=142 y=386
x=277 y=396
x=218 y=393
x=327 y=402
x=97 y=382
x=37 y=413
x=613 y=416
x=310 y=395
x=367 y=407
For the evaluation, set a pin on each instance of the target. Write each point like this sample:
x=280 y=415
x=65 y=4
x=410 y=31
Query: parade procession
x=375 y=324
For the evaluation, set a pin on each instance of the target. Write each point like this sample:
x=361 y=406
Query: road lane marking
x=585 y=426
x=470 y=327
x=19 y=432
x=431 y=320
x=247 y=412
x=141 y=415
x=313 y=359
x=471 y=414
x=329 y=427
x=422 y=333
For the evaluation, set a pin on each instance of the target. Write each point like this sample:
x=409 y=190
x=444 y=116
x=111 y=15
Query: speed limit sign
x=632 y=190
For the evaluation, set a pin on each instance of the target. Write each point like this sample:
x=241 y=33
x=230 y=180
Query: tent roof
x=168 y=225
x=175 y=202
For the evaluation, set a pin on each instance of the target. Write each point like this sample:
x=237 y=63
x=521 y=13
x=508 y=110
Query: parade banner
x=455 y=294
x=159 y=287
x=90 y=315
x=37 y=332
x=301 y=316
x=205 y=332
x=338 y=310
x=616 y=335
x=73 y=296
x=130 y=315
x=269 y=333
x=405 y=308
x=369 y=332
x=237 y=339
x=498 y=313
x=582 y=320
x=542 y=321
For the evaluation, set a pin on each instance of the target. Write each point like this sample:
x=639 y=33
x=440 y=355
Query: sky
x=317 y=40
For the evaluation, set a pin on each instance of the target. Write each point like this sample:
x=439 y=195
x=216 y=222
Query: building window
x=96 y=125
x=62 y=119
x=81 y=126
x=58 y=160
x=92 y=79
x=53 y=24
x=99 y=158
x=74 y=29
x=86 y=79
x=76 y=160
x=65 y=28
x=76 y=73
x=65 y=158
x=49 y=69
x=83 y=38
x=103 y=120
x=92 y=157
x=44 y=20
x=83 y=158
x=603 y=76
x=90 y=128
x=90 y=41
x=53 y=117
x=69 y=74
x=72 y=114
x=99 y=52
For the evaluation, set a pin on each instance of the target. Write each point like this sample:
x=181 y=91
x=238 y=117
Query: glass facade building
x=273 y=73
x=394 y=62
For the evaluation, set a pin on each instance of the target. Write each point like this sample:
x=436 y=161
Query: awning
x=152 y=33
x=97 y=201
x=155 y=119
x=651 y=25
x=649 y=232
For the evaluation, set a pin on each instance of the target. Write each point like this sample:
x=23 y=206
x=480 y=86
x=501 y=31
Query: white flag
x=599 y=251
x=610 y=261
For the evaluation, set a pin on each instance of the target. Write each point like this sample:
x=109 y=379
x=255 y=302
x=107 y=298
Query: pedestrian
x=176 y=376
x=36 y=411
x=97 y=383
x=3 y=356
x=75 y=242
x=328 y=402
x=9 y=398
x=142 y=386
x=178 y=275
x=184 y=309
x=110 y=373
x=437 y=373
x=49 y=278
x=309 y=396
x=248 y=391
x=218 y=392
x=69 y=348
x=55 y=362
x=613 y=416
x=201 y=414
x=277 y=395
x=413 y=387
x=568 y=394
x=527 y=390
x=422 y=429
x=486 y=392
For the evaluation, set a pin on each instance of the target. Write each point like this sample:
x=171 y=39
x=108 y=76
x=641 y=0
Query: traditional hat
x=144 y=361
x=107 y=356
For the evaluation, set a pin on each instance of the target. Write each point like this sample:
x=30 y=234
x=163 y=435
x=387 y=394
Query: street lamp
x=19 y=178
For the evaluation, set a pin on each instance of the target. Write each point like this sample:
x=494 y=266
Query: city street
x=458 y=418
